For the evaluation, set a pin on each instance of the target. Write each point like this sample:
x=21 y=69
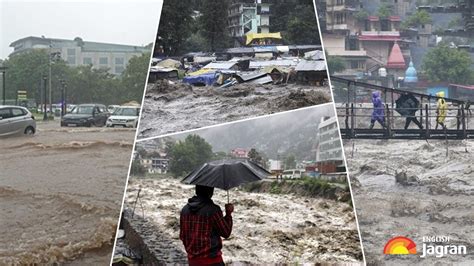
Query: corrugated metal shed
x=220 y=65
x=311 y=65
x=263 y=64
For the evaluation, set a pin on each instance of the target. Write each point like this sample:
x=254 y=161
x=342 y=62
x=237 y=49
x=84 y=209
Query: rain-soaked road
x=60 y=194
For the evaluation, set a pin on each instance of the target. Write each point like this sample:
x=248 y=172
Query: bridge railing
x=354 y=109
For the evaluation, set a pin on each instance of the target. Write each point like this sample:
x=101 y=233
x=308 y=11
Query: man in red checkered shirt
x=201 y=227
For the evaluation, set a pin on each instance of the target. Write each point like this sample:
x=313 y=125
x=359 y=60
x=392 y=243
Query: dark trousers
x=414 y=120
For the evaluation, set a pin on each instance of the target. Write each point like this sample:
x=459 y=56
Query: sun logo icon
x=399 y=245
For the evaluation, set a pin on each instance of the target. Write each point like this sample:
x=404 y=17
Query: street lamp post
x=45 y=89
x=4 y=94
x=63 y=97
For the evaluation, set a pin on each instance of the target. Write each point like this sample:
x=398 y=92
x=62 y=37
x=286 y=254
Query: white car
x=124 y=116
x=16 y=120
x=293 y=173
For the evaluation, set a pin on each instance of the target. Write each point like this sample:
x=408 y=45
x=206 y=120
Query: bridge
x=354 y=108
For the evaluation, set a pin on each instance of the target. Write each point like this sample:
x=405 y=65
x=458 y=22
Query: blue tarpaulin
x=206 y=79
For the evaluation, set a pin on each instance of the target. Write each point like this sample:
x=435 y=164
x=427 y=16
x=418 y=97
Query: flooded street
x=417 y=191
x=61 y=193
x=173 y=108
x=268 y=228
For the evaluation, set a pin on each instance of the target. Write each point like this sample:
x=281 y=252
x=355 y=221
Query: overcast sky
x=115 y=21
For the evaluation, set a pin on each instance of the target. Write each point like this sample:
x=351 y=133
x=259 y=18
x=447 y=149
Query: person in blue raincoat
x=378 y=113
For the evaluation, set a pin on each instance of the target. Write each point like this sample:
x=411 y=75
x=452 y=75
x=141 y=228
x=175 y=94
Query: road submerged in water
x=60 y=194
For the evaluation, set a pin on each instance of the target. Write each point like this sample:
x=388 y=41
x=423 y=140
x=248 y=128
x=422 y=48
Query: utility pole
x=50 y=63
x=45 y=115
x=4 y=70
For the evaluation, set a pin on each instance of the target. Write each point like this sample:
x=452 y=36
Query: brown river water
x=268 y=228
x=61 y=193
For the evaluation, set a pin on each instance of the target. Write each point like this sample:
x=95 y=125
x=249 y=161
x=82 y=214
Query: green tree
x=134 y=78
x=137 y=169
x=213 y=23
x=290 y=162
x=175 y=25
x=448 y=65
x=384 y=11
x=302 y=26
x=189 y=154
x=25 y=72
x=418 y=18
x=335 y=64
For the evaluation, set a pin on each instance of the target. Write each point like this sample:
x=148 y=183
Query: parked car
x=86 y=115
x=112 y=108
x=292 y=173
x=124 y=116
x=16 y=120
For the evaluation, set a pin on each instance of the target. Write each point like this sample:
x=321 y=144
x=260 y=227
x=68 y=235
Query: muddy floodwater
x=176 y=107
x=61 y=193
x=412 y=189
x=268 y=228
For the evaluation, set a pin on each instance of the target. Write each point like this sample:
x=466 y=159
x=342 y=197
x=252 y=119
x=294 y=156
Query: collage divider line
x=136 y=140
x=339 y=133
x=231 y=122
x=160 y=5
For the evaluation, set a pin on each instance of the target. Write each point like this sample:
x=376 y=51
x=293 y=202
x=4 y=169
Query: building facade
x=329 y=155
x=77 y=52
x=248 y=16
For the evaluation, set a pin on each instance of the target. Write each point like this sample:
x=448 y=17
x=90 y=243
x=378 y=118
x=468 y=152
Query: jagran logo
x=401 y=245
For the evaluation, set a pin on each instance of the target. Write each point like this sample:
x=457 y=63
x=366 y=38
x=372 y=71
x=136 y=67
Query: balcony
x=337 y=27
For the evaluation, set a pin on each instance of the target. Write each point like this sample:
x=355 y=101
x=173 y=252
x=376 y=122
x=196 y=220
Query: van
x=293 y=173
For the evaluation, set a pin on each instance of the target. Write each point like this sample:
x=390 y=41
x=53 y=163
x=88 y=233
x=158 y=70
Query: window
x=119 y=60
x=71 y=52
x=5 y=113
x=103 y=61
x=71 y=60
x=119 y=69
x=17 y=112
x=87 y=61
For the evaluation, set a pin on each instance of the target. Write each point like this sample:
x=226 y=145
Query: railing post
x=421 y=110
x=352 y=120
x=463 y=121
x=389 y=131
x=427 y=122
x=346 y=120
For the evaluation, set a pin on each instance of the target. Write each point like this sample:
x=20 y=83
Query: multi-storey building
x=329 y=156
x=77 y=52
x=248 y=16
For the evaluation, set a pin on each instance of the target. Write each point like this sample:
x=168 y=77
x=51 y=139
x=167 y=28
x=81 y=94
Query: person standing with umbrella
x=202 y=223
x=201 y=227
x=407 y=106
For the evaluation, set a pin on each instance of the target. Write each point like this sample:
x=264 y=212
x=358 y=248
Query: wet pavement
x=412 y=189
x=61 y=193
x=177 y=107
x=268 y=228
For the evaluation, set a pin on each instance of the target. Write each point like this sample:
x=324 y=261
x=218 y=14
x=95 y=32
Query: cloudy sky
x=115 y=21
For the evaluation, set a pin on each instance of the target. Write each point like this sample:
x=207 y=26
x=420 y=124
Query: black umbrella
x=226 y=174
x=407 y=104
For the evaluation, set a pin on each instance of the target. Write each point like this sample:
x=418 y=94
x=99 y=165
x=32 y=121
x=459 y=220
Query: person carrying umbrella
x=201 y=227
x=378 y=113
x=407 y=106
x=441 y=110
x=202 y=223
